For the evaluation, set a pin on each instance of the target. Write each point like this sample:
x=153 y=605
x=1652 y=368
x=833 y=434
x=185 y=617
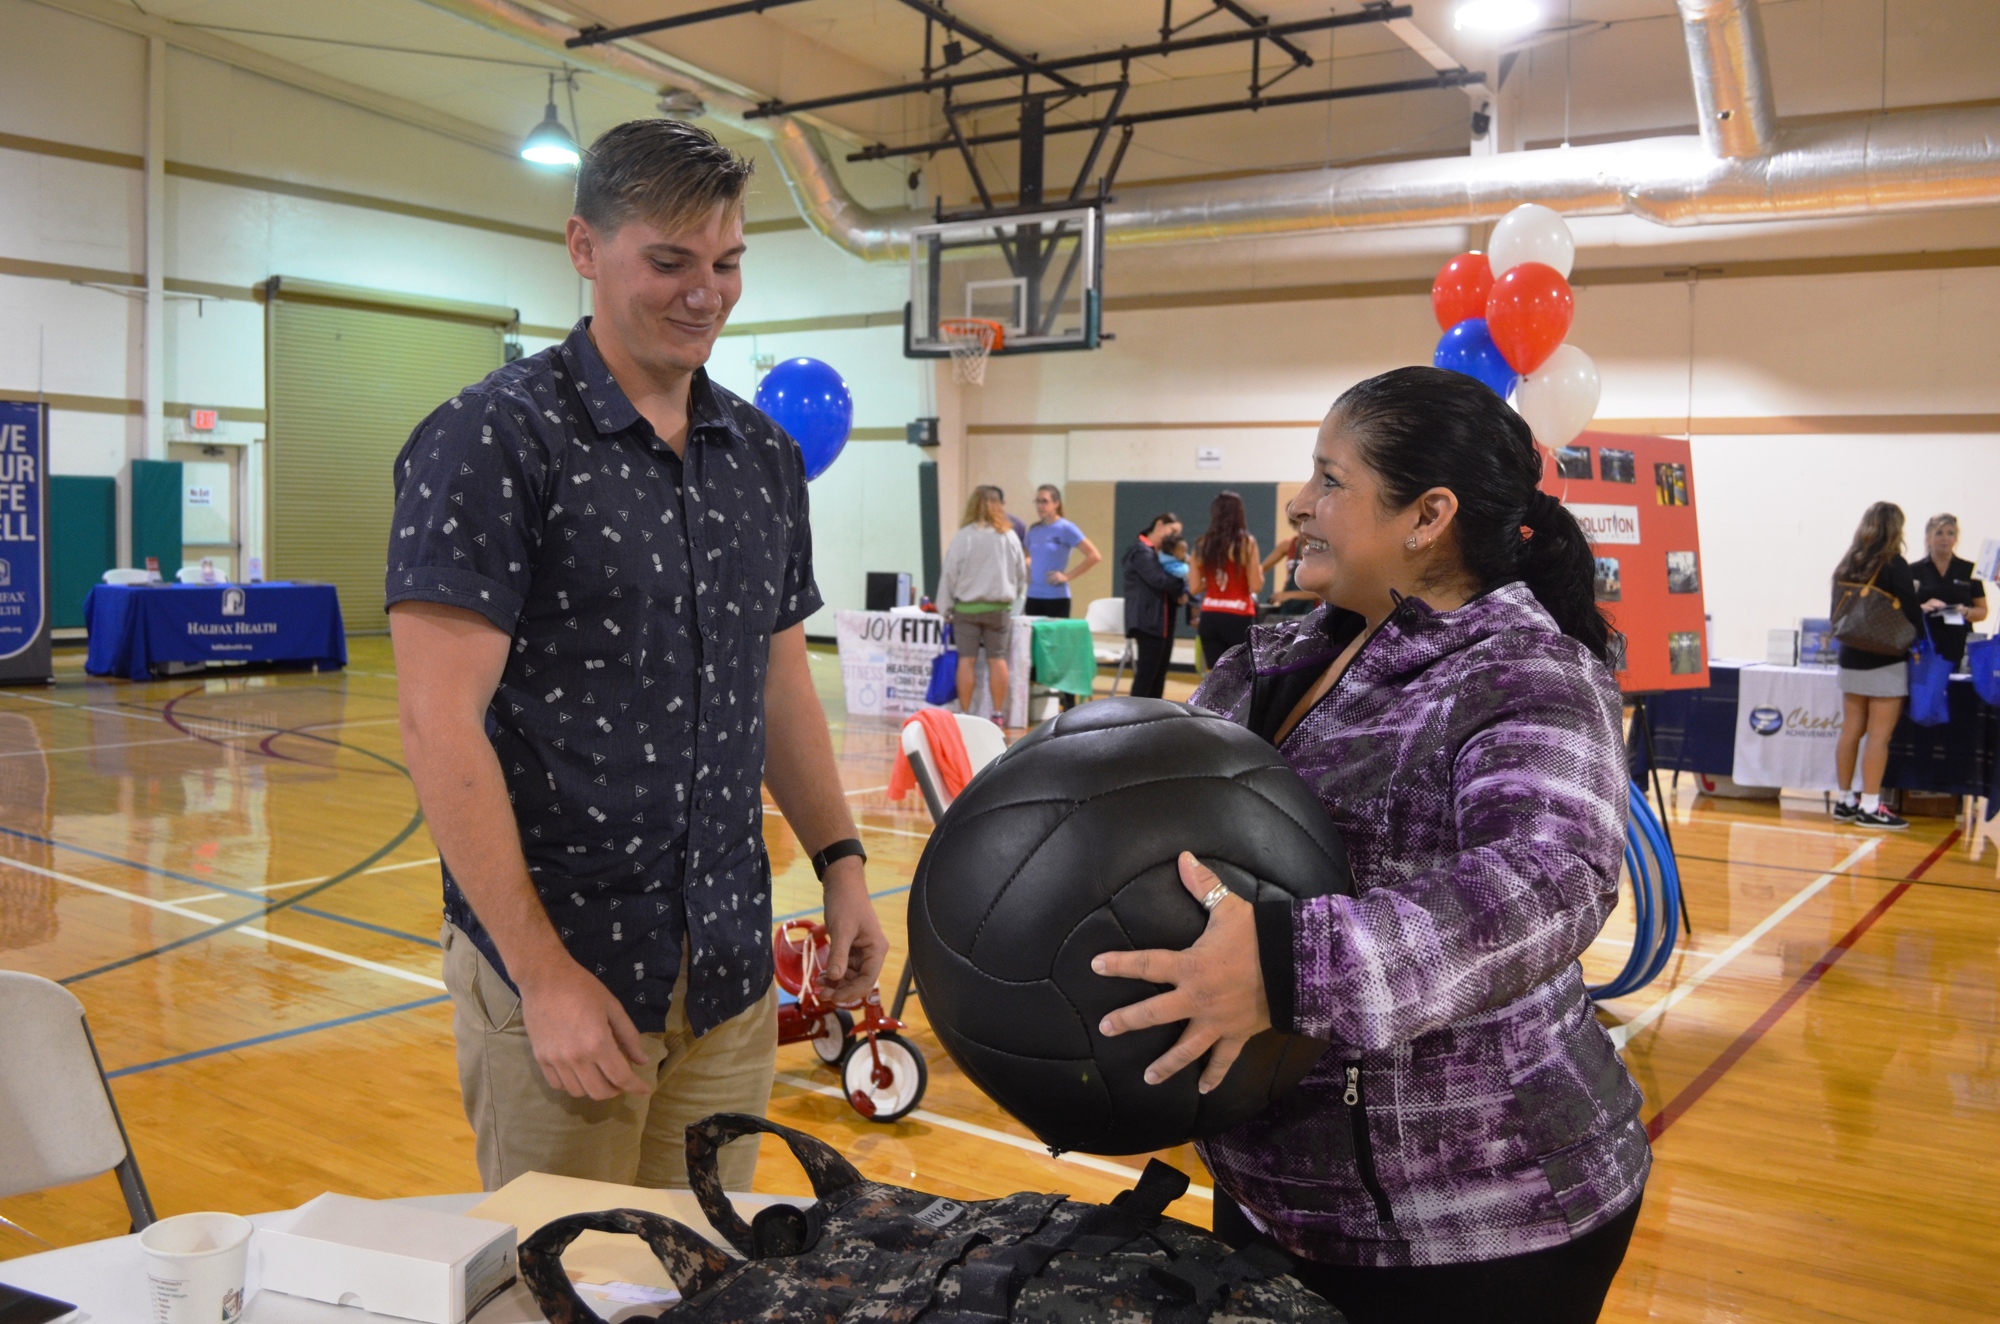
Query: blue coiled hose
x=1656 y=901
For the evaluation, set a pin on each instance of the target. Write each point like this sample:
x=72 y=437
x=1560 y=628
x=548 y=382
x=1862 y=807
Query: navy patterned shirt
x=641 y=591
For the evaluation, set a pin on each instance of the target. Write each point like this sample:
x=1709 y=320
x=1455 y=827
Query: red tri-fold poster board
x=1635 y=497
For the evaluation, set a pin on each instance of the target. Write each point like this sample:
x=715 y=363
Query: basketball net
x=971 y=341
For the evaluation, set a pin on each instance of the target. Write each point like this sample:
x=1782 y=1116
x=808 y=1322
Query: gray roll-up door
x=349 y=374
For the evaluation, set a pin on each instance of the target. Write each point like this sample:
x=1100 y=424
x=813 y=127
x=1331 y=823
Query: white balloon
x=1531 y=233
x=1560 y=398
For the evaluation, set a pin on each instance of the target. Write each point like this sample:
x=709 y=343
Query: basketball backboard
x=1035 y=274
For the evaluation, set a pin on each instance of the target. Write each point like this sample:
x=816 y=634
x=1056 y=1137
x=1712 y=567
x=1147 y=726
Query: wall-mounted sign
x=1208 y=457
x=201 y=420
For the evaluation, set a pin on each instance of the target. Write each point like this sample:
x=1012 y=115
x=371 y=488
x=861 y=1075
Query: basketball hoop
x=971 y=340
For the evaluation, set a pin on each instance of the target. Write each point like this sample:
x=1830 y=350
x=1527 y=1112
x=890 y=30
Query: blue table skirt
x=134 y=628
x=1695 y=731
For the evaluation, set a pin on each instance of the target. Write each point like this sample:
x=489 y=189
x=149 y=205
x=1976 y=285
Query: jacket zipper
x=1364 y=1149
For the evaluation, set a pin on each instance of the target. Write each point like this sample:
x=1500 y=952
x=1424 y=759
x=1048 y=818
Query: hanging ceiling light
x=549 y=143
x=1495 y=15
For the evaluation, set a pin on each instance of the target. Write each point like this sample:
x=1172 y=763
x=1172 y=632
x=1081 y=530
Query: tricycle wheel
x=885 y=1077
x=830 y=1040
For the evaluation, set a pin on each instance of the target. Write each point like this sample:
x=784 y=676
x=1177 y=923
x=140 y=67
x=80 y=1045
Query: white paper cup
x=195 y=1265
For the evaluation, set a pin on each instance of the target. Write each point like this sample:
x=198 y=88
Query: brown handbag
x=1871 y=619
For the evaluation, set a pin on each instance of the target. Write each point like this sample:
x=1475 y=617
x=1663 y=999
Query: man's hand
x=1218 y=987
x=584 y=1042
x=856 y=947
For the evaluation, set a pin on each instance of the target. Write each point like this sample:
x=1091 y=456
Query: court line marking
x=243 y=894
x=307 y=882
x=249 y=930
x=1691 y=1094
x=1622 y=1034
x=999 y=1137
x=272 y=1037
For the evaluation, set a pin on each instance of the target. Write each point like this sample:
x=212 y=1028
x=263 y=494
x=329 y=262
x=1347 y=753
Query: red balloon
x=1528 y=314
x=1461 y=288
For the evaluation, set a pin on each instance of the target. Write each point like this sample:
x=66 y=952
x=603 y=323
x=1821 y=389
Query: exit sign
x=201 y=420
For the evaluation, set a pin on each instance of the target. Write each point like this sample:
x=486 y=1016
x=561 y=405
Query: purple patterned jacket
x=1470 y=1107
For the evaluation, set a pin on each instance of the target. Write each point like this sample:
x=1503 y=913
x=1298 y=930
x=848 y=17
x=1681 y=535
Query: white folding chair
x=984 y=742
x=56 y=1111
x=1106 y=618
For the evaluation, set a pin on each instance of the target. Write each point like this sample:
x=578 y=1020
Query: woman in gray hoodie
x=984 y=571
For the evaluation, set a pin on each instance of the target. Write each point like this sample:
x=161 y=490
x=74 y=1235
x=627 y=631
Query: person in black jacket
x=1152 y=597
x=1873 y=684
x=1947 y=590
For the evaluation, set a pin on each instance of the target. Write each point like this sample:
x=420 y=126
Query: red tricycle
x=881 y=1072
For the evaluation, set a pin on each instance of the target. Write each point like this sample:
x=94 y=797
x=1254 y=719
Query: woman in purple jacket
x=1469 y=1147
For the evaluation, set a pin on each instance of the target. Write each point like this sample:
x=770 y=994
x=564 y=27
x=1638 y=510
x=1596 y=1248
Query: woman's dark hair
x=1228 y=528
x=1164 y=517
x=1420 y=428
x=1878 y=537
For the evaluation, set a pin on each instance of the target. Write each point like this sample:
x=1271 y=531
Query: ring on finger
x=1215 y=896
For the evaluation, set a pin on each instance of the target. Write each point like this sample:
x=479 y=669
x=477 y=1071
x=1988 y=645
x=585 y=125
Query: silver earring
x=1412 y=543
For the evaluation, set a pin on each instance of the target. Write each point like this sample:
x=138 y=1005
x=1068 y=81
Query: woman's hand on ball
x=1218 y=986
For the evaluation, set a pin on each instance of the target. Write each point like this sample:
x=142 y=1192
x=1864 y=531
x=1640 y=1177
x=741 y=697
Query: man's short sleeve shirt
x=640 y=591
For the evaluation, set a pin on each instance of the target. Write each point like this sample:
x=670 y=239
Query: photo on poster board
x=1671 y=484
x=1604 y=582
x=1683 y=575
x=1616 y=466
x=1684 y=652
x=1573 y=462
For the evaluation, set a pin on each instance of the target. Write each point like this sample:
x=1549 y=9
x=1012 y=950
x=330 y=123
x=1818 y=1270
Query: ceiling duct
x=1742 y=168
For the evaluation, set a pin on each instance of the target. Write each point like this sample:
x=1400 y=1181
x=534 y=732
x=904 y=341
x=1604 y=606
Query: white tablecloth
x=1788 y=721
x=106 y=1279
x=886 y=656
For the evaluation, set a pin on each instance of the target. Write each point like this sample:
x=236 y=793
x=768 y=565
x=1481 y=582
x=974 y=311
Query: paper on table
x=536 y=1198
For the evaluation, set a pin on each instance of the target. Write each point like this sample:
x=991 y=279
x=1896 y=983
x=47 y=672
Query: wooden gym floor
x=1820 y=1064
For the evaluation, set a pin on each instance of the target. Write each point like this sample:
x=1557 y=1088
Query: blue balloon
x=808 y=399
x=1469 y=348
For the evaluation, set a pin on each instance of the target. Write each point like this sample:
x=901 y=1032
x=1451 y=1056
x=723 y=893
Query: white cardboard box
x=389 y=1258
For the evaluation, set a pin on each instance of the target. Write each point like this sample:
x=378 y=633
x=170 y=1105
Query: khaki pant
x=523 y=1124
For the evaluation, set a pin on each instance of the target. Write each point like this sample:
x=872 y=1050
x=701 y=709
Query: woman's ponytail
x=1557 y=565
x=1420 y=428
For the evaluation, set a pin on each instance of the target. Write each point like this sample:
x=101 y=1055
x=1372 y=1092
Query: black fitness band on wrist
x=839 y=850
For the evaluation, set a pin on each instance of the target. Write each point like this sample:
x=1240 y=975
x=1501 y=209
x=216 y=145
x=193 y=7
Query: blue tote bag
x=1982 y=658
x=1930 y=682
x=944 y=674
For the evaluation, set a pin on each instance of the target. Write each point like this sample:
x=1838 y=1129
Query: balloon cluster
x=1505 y=313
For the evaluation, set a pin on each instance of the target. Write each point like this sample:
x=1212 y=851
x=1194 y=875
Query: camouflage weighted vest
x=865 y=1251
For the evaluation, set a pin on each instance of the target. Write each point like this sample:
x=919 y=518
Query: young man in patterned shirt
x=598 y=579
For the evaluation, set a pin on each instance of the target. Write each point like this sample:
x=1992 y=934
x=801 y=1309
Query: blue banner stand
x=25 y=653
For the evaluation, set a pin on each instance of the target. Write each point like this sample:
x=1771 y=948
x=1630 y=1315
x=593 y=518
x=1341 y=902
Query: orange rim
x=994 y=332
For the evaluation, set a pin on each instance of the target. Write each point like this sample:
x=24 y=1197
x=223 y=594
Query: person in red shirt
x=1227 y=571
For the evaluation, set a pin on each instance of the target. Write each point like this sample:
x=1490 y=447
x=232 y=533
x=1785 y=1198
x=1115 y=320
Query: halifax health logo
x=1766 y=721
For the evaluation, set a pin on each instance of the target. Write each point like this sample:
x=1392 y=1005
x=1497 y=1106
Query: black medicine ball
x=1066 y=846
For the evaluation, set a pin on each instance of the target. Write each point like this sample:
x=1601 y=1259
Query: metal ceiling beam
x=1262 y=23
x=598 y=34
x=1452 y=78
x=944 y=18
x=1174 y=46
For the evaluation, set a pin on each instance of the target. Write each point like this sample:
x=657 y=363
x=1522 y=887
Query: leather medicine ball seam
x=1078 y=805
x=939 y=836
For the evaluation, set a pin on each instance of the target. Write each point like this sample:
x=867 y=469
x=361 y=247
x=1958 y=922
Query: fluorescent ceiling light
x=1496 y=15
x=549 y=143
